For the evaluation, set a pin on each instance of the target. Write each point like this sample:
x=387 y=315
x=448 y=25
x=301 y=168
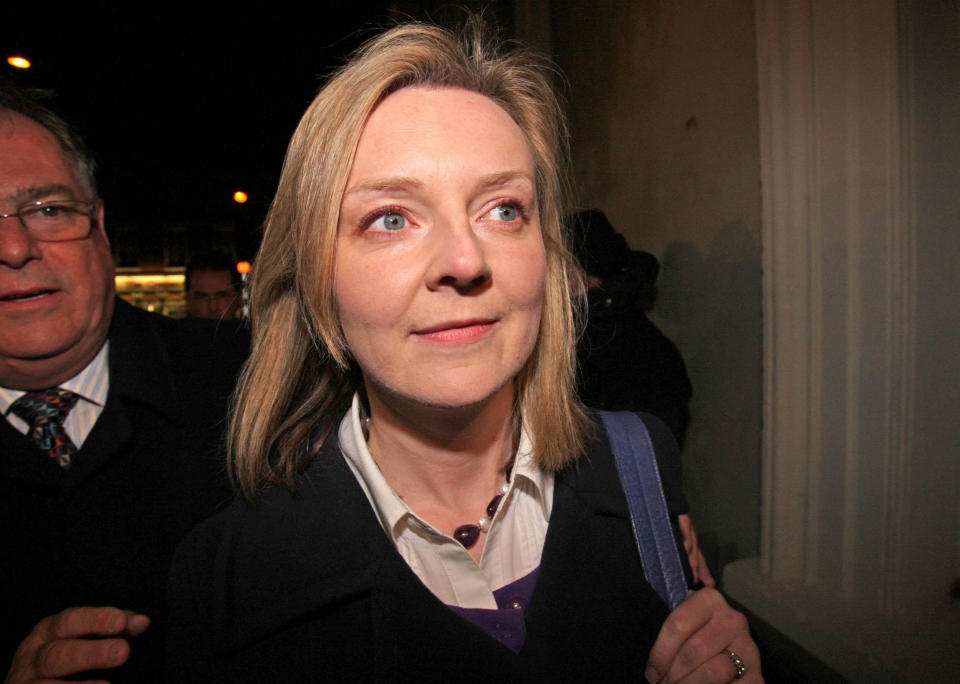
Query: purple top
x=506 y=623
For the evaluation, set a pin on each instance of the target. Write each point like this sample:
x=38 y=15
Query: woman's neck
x=447 y=460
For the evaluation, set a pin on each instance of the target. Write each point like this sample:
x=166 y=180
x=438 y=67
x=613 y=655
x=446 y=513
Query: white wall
x=860 y=535
x=860 y=149
x=662 y=104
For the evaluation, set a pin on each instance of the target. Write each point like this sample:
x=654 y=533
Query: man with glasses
x=111 y=421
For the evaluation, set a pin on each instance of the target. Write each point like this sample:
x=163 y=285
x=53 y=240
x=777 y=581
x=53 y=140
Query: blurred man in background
x=212 y=287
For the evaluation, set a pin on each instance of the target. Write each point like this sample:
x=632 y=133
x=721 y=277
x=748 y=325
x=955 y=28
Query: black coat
x=307 y=587
x=104 y=531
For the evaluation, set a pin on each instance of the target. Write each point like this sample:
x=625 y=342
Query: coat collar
x=141 y=369
x=295 y=552
x=319 y=544
x=154 y=365
x=135 y=361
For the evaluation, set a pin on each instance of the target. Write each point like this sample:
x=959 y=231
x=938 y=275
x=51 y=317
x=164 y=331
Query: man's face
x=212 y=295
x=56 y=298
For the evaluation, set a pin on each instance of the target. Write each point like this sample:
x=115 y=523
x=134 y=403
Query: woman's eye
x=505 y=212
x=392 y=221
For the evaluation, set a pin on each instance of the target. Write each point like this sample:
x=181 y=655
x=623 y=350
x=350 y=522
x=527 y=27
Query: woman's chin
x=466 y=393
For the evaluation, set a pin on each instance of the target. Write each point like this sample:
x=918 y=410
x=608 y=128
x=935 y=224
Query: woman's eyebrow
x=504 y=178
x=406 y=184
x=395 y=184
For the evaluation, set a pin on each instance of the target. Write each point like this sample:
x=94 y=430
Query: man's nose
x=459 y=257
x=213 y=307
x=16 y=246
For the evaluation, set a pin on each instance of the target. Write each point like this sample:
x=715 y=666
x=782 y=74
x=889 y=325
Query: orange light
x=18 y=62
x=239 y=197
x=243 y=267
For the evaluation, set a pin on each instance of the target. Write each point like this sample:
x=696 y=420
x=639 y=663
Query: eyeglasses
x=55 y=220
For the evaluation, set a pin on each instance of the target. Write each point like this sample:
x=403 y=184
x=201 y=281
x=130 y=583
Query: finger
x=691 y=541
x=69 y=656
x=688 y=618
x=703 y=646
x=81 y=622
x=719 y=668
x=726 y=629
x=705 y=576
x=695 y=569
x=722 y=666
x=137 y=623
x=701 y=571
x=685 y=525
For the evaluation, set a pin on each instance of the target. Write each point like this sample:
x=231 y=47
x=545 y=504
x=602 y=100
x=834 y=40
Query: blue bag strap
x=640 y=478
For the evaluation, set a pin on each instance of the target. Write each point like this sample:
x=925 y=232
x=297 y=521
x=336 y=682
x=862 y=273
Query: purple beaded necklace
x=467 y=534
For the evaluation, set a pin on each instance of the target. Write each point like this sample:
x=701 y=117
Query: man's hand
x=695 y=643
x=74 y=641
x=701 y=573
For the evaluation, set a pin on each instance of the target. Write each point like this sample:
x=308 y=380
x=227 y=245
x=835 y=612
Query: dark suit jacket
x=103 y=532
x=307 y=587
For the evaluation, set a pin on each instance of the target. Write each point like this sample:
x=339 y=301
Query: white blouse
x=514 y=541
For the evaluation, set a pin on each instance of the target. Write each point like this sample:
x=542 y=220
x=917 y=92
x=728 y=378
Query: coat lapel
x=21 y=460
x=295 y=554
x=320 y=551
x=591 y=597
x=326 y=548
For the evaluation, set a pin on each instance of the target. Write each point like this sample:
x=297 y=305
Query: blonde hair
x=299 y=377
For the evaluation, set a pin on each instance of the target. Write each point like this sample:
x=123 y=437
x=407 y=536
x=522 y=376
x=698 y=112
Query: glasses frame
x=91 y=207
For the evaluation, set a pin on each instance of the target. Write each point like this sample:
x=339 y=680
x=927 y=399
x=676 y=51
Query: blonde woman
x=423 y=495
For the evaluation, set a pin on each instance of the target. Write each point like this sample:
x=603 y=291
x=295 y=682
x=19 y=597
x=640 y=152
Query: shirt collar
x=92 y=383
x=389 y=507
x=524 y=466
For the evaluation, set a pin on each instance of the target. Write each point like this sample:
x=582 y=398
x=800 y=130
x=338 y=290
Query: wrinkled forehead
x=421 y=131
x=34 y=164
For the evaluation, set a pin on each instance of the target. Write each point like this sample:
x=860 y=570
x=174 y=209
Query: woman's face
x=440 y=263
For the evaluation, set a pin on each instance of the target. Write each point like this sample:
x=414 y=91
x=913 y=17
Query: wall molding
x=840 y=287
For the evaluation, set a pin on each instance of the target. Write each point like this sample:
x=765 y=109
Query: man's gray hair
x=31 y=104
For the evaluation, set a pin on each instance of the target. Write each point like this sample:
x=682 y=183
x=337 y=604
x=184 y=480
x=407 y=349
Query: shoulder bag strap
x=640 y=478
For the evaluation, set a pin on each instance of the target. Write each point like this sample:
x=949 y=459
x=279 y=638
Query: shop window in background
x=159 y=291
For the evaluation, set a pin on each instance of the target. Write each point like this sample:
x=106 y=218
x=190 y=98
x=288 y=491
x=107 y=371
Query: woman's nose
x=460 y=259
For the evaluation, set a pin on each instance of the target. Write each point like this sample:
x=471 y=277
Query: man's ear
x=98 y=216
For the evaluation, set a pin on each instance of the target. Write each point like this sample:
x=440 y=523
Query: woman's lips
x=457 y=332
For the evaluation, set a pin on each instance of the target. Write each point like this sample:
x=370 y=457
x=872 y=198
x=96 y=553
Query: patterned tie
x=45 y=412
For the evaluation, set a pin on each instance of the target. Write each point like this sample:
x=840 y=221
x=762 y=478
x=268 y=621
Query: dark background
x=182 y=104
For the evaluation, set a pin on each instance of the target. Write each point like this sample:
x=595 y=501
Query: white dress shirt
x=91 y=385
x=514 y=541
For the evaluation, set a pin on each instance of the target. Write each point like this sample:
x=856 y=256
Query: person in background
x=212 y=287
x=625 y=362
x=424 y=497
x=111 y=423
